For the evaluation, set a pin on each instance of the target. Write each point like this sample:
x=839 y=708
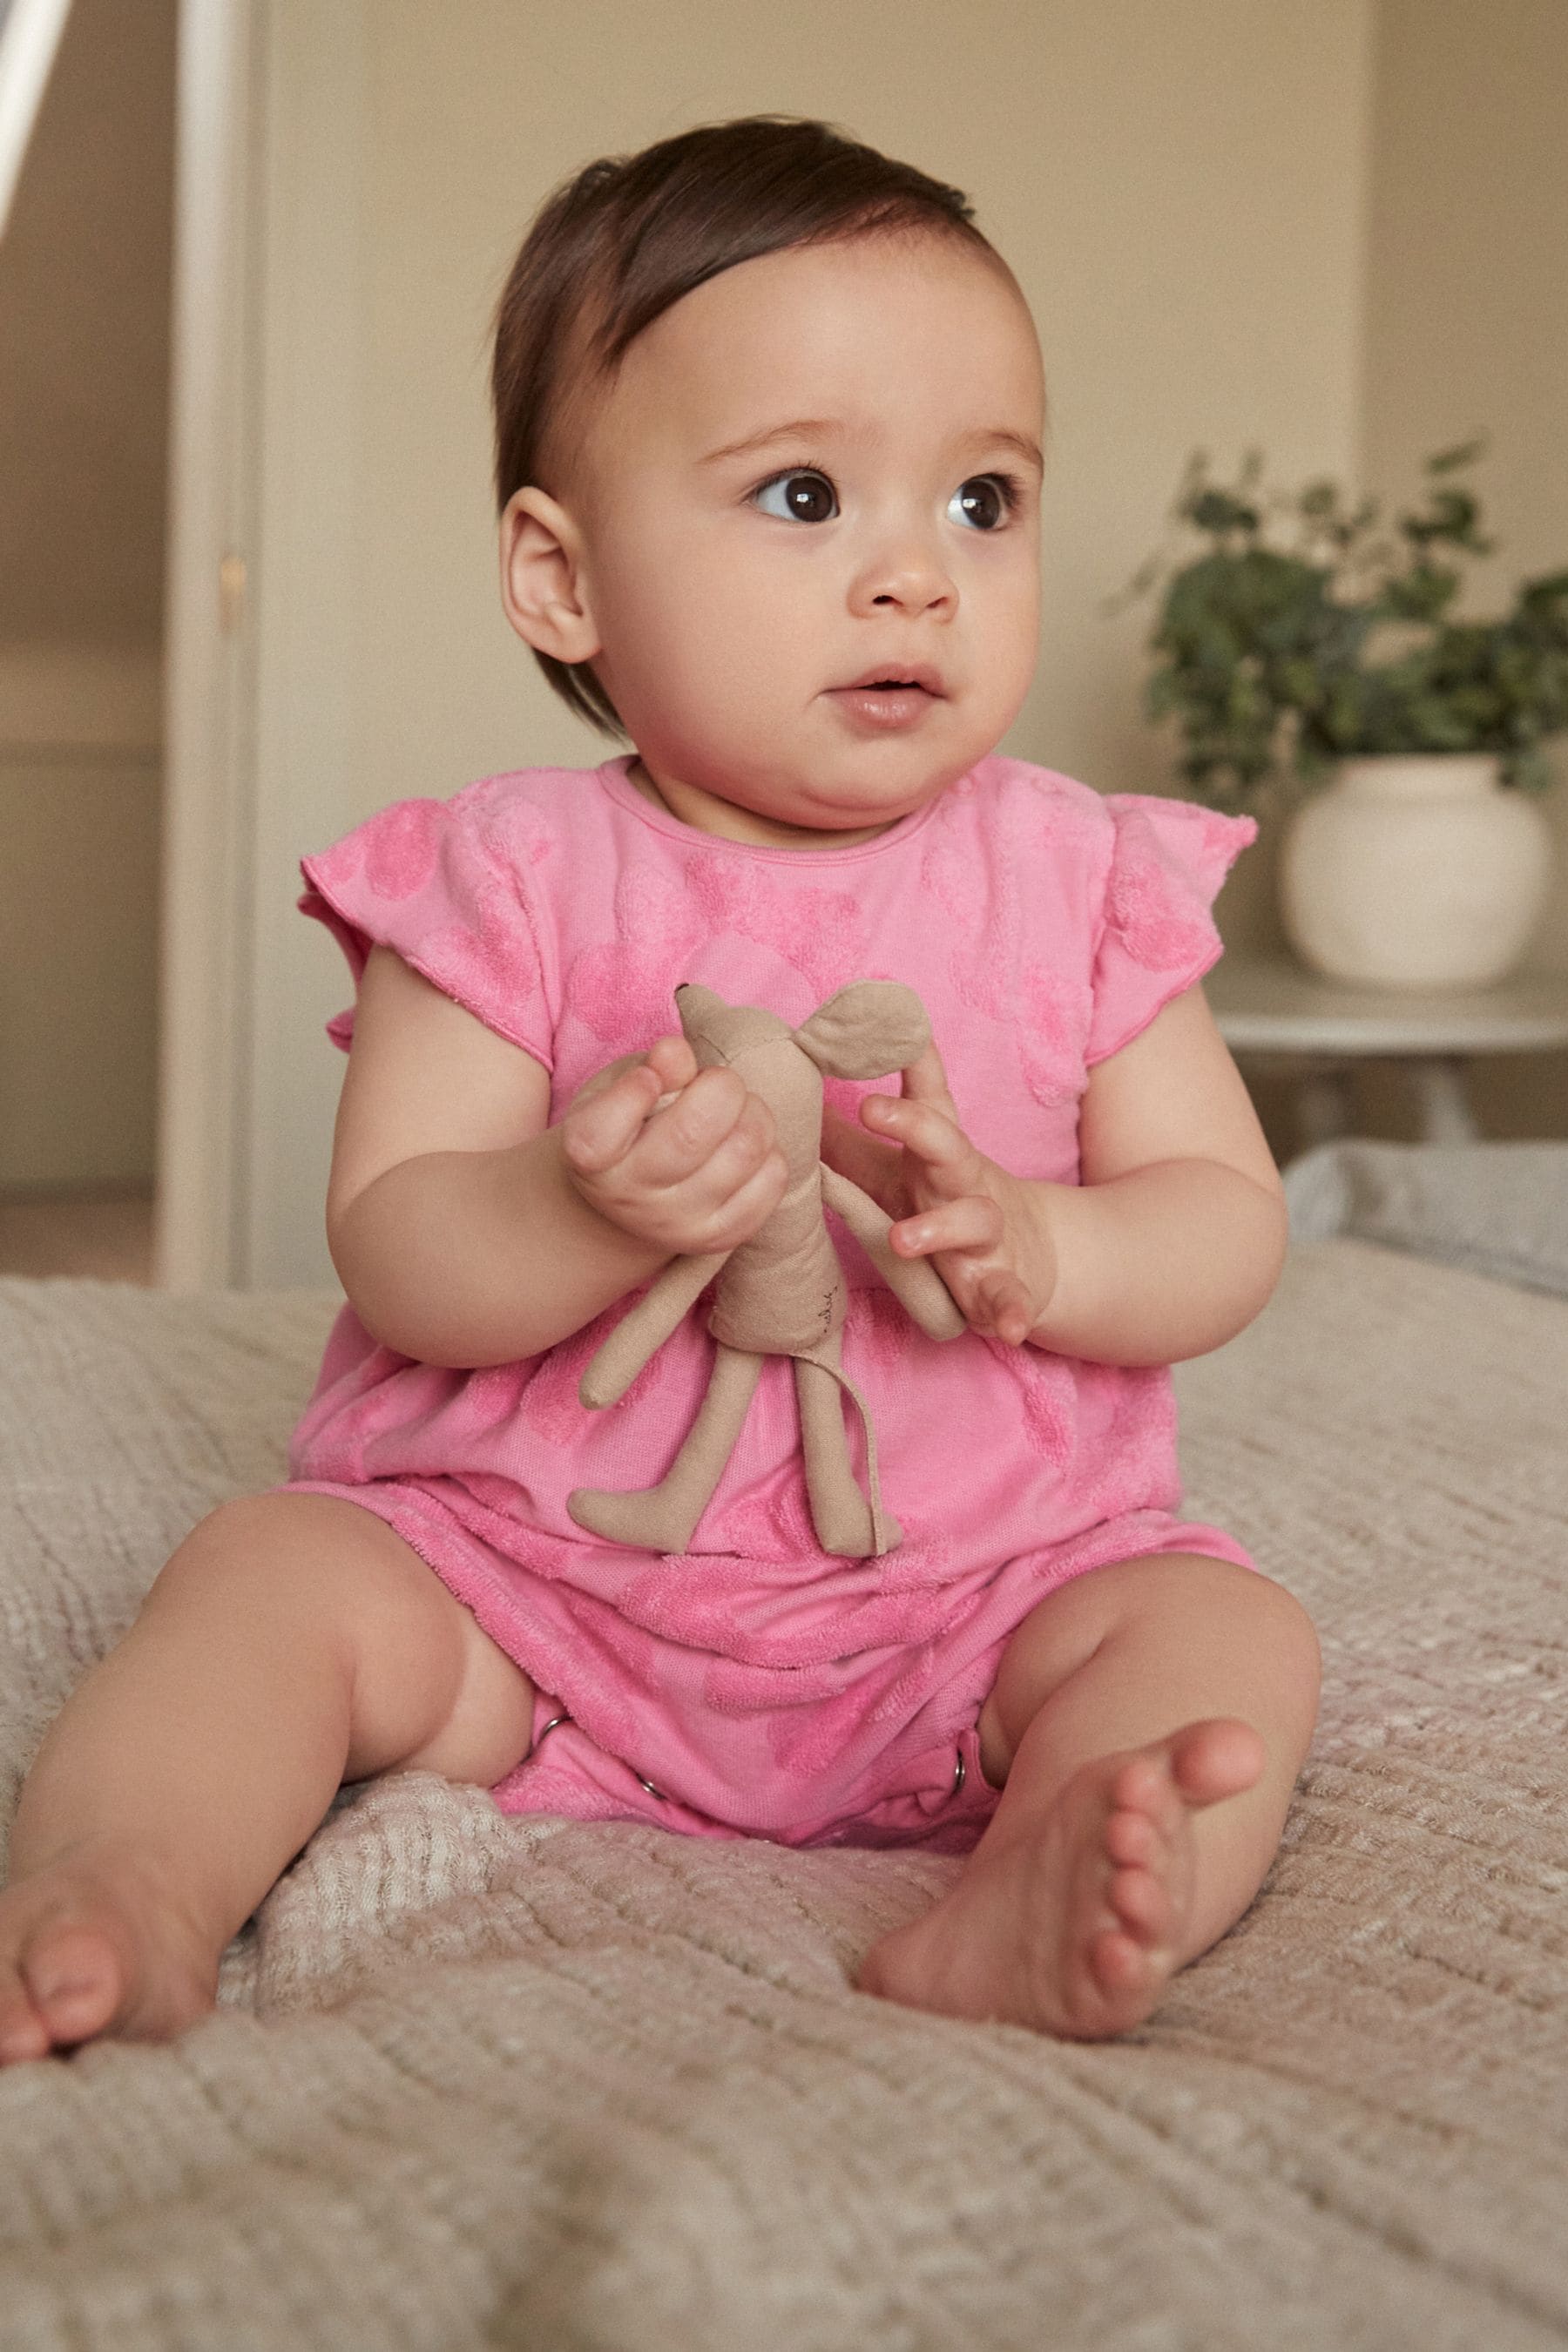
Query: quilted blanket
x=479 y=2081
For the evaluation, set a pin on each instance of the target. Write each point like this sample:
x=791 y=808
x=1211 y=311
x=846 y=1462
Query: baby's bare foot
x=90 y=1946
x=1075 y=1924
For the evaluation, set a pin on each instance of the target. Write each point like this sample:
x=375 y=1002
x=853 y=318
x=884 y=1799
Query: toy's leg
x=641 y=1332
x=839 y=1511
x=664 y=1517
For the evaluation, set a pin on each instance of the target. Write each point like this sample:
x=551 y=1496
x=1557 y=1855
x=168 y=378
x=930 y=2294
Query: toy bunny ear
x=718 y=1031
x=866 y=1031
x=702 y=1012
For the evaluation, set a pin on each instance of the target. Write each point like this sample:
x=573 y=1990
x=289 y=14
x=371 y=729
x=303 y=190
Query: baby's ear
x=541 y=569
x=867 y=1030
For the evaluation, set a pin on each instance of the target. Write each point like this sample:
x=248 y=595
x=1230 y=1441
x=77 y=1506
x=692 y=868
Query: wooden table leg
x=1443 y=1099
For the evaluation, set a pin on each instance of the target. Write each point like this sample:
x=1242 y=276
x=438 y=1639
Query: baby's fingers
x=703 y=1116
x=948 y=1159
x=604 y=1123
x=925 y=1080
x=609 y=1112
x=972 y=1222
x=1002 y=1305
x=672 y=1062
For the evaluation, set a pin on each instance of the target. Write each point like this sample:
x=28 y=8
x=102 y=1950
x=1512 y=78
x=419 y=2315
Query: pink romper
x=756 y=1685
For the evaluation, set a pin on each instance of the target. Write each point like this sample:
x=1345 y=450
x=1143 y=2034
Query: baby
x=769 y=415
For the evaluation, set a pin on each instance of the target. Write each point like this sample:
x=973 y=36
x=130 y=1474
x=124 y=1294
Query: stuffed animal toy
x=782 y=1292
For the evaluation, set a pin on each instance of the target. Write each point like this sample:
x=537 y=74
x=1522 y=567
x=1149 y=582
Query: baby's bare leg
x=293 y=1642
x=1149 y=1721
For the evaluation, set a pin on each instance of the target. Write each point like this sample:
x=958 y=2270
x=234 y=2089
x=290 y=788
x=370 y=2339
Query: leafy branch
x=1308 y=630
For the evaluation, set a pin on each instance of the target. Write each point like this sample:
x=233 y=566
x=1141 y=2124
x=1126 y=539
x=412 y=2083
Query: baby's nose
x=908 y=577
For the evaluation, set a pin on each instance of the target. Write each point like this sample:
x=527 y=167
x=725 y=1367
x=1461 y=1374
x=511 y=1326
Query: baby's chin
x=816 y=801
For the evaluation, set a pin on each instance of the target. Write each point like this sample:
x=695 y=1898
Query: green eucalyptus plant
x=1307 y=631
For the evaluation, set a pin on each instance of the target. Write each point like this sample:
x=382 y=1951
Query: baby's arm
x=1170 y=1243
x=466 y=1230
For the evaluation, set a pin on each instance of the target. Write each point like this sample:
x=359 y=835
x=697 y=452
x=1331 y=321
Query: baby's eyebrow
x=802 y=427
x=1019 y=443
x=811 y=428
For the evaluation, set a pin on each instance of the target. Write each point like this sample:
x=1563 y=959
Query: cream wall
x=1181 y=190
x=1466 y=331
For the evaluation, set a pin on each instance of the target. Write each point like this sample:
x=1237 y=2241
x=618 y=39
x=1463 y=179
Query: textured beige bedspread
x=485 y=2082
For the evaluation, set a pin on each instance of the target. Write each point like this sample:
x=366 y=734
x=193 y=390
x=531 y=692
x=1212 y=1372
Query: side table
x=1278 y=1012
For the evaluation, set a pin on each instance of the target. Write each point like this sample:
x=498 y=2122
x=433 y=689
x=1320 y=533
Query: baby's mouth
x=888 y=703
x=918 y=679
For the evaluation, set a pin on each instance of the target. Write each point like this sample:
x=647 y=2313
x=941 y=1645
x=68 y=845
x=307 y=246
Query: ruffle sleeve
x=424 y=878
x=1168 y=860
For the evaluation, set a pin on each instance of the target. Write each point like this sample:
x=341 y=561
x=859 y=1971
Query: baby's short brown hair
x=619 y=244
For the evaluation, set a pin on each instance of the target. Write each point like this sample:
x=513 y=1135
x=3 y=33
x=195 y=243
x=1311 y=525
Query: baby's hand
x=980 y=1226
x=683 y=1158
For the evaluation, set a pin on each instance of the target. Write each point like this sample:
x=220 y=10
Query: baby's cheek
x=687 y=698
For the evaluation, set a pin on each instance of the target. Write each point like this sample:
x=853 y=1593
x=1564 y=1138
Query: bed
x=486 y=2081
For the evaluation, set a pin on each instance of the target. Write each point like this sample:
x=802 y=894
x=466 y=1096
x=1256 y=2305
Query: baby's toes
x=1146 y=1786
x=1217 y=1757
x=1132 y=1840
x=61 y=1979
x=23 y=2033
x=76 y=1978
x=1142 y=1902
x=1118 y=1963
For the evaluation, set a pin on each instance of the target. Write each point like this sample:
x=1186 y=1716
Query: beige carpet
x=479 y=2081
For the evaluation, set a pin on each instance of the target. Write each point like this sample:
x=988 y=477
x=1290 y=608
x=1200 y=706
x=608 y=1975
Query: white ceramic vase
x=1415 y=873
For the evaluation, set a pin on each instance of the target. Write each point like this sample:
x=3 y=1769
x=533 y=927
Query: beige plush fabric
x=487 y=2082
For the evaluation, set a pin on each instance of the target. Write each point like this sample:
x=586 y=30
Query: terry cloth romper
x=754 y=1685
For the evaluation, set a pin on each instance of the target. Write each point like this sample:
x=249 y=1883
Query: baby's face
x=818 y=468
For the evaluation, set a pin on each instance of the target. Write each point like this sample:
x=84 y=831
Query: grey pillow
x=1500 y=1209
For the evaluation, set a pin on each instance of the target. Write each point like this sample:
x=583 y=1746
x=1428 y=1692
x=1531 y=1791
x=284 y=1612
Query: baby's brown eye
x=981 y=503
x=803 y=496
